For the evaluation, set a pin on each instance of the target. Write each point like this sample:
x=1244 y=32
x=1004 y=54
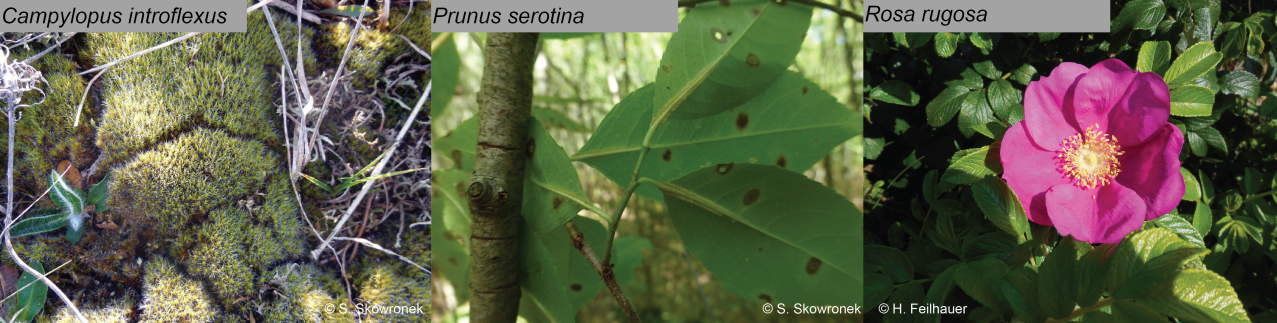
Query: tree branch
x=605 y=272
x=813 y=3
x=495 y=188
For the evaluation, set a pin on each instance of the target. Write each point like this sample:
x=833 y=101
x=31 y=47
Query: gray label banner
x=1086 y=16
x=554 y=16
x=124 y=16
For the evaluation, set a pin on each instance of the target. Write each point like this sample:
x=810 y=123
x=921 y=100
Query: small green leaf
x=1208 y=190
x=97 y=194
x=971 y=165
x=1001 y=205
x=1234 y=40
x=29 y=300
x=1240 y=83
x=1140 y=14
x=944 y=106
x=912 y=40
x=1155 y=56
x=64 y=195
x=984 y=41
x=946 y=43
x=895 y=92
x=1252 y=180
x=1024 y=74
x=39 y=221
x=1202 y=218
x=1194 y=62
x=1238 y=232
x=1004 y=98
x=1192 y=101
x=975 y=114
x=1192 y=191
x=939 y=291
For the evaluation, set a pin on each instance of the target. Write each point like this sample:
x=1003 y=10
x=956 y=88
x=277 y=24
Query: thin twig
x=813 y=3
x=708 y=310
x=312 y=18
x=47 y=50
x=332 y=87
x=414 y=46
x=605 y=272
x=148 y=50
x=87 y=87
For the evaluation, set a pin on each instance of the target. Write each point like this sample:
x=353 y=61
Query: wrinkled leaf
x=1155 y=56
x=1001 y=205
x=1192 y=101
x=1194 y=62
x=895 y=92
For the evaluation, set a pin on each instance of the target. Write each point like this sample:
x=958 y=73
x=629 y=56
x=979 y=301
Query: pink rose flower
x=1094 y=156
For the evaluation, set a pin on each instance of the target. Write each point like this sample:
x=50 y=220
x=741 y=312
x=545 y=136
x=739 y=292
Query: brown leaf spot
x=751 y=197
x=558 y=201
x=452 y=260
x=760 y=249
x=723 y=168
x=765 y=297
x=752 y=60
x=813 y=265
x=456 y=157
x=725 y=3
x=667 y=154
x=742 y=120
x=781 y=161
x=756 y=11
x=576 y=287
x=718 y=35
x=665 y=68
x=804 y=90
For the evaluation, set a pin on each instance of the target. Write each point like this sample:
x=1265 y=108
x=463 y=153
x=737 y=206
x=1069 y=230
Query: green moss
x=117 y=311
x=374 y=48
x=216 y=80
x=46 y=135
x=189 y=176
x=302 y=292
x=389 y=285
x=169 y=296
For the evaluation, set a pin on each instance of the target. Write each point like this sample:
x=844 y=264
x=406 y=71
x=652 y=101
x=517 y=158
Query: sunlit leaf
x=445 y=70
x=459 y=144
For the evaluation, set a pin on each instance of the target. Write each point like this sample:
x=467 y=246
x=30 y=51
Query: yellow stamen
x=1090 y=158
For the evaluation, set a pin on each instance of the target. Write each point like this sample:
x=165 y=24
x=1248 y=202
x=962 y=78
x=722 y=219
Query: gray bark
x=496 y=188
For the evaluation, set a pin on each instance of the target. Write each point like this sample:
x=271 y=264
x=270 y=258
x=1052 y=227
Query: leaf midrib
x=676 y=101
x=617 y=151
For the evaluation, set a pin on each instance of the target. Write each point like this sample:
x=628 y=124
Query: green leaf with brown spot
x=554 y=274
x=793 y=125
x=769 y=234
x=552 y=192
x=723 y=56
x=459 y=144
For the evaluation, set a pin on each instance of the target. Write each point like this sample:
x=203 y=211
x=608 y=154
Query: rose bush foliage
x=1120 y=177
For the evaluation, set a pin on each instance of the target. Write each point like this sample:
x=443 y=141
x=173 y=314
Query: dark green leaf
x=939 y=291
x=895 y=92
x=1021 y=290
x=1024 y=74
x=40 y=221
x=912 y=40
x=984 y=41
x=29 y=301
x=944 y=106
x=1001 y=205
x=1140 y=14
x=982 y=280
x=1202 y=218
x=975 y=114
x=1252 y=180
x=64 y=194
x=1056 y=285
x=1234 y=40
x=1157 y=273
x=893 y=262
x=1091 y=272
x=1208 y=190
x=1240 y=83
x=1003 y=98
x=628 y=255
x=1125 y=311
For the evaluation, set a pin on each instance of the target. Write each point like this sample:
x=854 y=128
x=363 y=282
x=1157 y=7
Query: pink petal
x=1044 y=105
x=1100 y=215
x=1151 y=169
x=1103 y=87
x=1142 y=112
x=1030 y=171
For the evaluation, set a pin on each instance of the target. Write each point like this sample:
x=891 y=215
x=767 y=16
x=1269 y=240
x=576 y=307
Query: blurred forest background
x=579 y=78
